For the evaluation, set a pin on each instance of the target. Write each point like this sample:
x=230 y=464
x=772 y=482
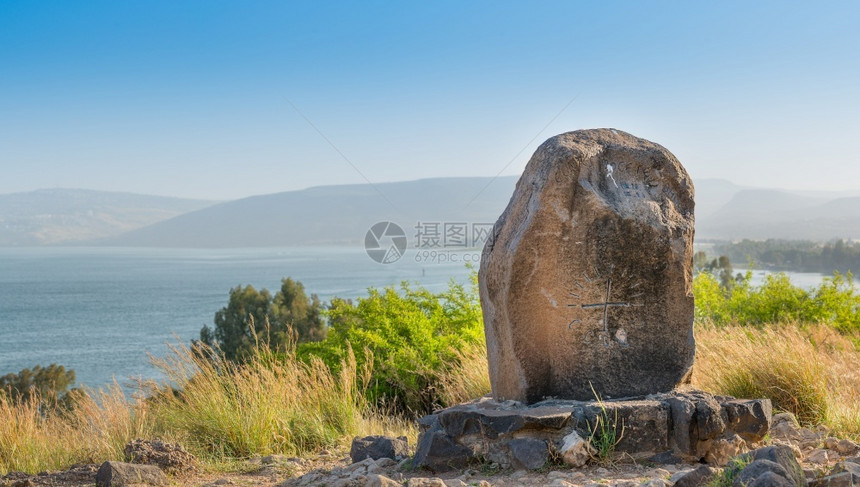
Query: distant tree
x=721 y=267
x=252 y=315
x=47 y=385
x=237 y=324
x=700 y=261
x=292 y=306
x=796 y=255
x=724 y=266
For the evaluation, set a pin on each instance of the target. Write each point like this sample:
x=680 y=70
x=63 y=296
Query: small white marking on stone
x=562 y=214
x=549 y=298
x=609 y=170
x=614 y=131
x=621 y=336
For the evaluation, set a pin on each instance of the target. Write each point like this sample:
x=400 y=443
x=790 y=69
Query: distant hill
x=329 y=215
x=341 y=215
x=767 y=213
x=68 y=216
x=713 y=194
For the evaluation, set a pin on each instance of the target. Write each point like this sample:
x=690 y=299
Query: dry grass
x=33 y=439
x=813 y=372
x=470 y=379
x=217 y=409
x=270 y=404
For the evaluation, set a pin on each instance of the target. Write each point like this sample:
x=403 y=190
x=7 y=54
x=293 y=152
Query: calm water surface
x=101 y=310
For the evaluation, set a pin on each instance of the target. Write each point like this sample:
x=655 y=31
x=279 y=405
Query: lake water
x=100 y=311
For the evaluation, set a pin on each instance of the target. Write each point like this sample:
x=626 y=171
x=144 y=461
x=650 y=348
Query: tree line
x=795 y=255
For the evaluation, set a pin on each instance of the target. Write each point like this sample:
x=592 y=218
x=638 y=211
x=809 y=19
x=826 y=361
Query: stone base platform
x=681 y=426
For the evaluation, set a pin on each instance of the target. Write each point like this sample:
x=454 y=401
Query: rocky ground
x=823 y=460
x=336 y=470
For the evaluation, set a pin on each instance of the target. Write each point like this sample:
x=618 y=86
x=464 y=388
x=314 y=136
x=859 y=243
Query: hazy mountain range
x=329 y=214
x=340 y=215
x=61 y=216
x=728 y=212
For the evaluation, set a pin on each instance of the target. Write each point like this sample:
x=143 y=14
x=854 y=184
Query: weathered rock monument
x=586 y=285
x=586 y=290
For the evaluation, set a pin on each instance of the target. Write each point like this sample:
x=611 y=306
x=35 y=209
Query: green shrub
x=253 y=316
x=837 y=302
x=48 y=385
x=834 y=302
x=413 y=336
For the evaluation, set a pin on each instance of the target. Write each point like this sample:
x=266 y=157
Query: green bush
x=834 y=302
x=412 y=336
x=46 y=385
x=253 y=316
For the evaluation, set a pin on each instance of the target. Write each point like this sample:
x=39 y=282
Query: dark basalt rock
x=679 y=426
x=119 y=474
x=769 y=466
x=528 y=453
x=701 y=475
x=376 y=447
x=843 y=479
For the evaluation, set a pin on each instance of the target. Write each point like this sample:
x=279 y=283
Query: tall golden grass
x=270 y=403
x=813 y=372
x=219 y=410
x=33 y=439
x=469 y=379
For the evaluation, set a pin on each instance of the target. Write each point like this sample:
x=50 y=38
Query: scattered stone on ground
x=376 y=447
x=850 y=467
x=75 y=476
x=843 y=479
x=121 y=474
x=700 y=475
x=847 y=447
x=334 y=468
x=575 y=451
x=169 y=457
x=774 y=465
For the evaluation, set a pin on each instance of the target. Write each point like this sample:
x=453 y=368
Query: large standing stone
x=587 y=281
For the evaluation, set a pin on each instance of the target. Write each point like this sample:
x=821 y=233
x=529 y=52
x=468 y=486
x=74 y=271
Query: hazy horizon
x=223 y=101
x=853 y=191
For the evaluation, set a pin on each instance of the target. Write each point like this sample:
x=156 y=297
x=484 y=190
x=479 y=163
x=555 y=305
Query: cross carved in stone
x=605 y=305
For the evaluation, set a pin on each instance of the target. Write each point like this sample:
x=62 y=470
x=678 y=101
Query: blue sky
x=194 y=98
